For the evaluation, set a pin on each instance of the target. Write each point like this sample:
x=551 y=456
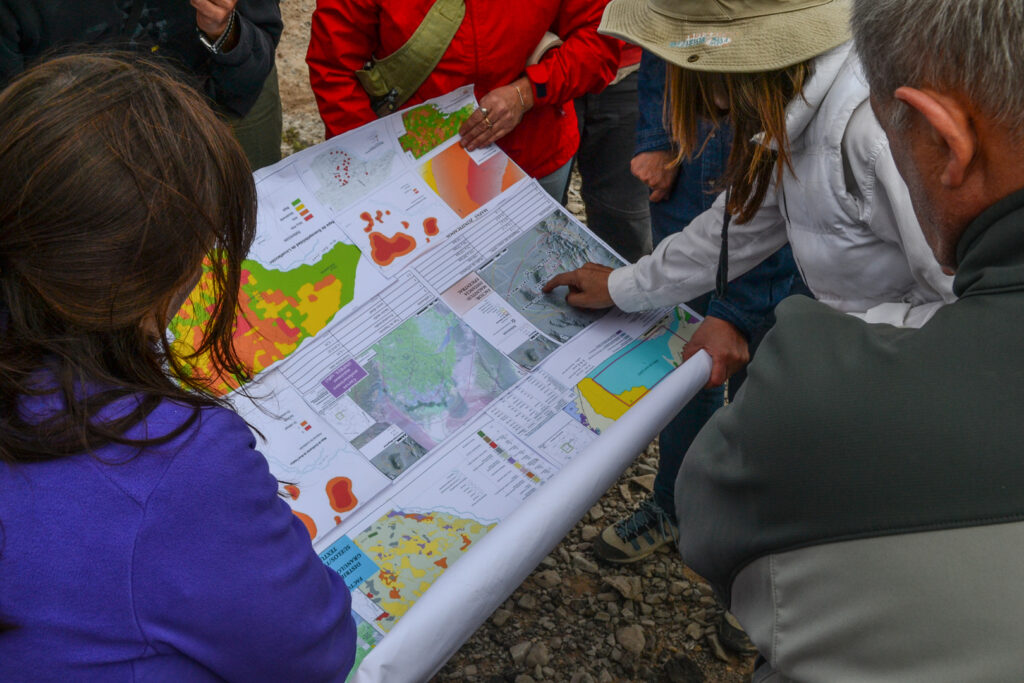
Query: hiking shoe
x=732 y=636
x=636 y=536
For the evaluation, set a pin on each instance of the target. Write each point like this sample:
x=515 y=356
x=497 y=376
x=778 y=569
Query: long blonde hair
x=757 y=105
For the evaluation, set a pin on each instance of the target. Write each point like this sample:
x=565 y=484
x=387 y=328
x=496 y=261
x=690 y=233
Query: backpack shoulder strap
x=392 y=80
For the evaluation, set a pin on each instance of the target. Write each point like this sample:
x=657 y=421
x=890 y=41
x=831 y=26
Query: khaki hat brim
x=763 y=43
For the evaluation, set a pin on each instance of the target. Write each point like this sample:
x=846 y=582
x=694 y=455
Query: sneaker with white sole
x=637 y=536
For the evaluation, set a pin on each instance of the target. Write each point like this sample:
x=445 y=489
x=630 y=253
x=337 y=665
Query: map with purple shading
x=431 y=374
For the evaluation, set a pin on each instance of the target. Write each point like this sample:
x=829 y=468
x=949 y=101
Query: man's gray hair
x=973 y=46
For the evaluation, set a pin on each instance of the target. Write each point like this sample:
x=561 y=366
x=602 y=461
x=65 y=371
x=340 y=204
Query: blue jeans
x=750 y=298
x=675 y=440
x=557 y=182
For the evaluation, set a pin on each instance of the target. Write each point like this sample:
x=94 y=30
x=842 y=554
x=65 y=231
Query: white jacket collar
x=804 y=107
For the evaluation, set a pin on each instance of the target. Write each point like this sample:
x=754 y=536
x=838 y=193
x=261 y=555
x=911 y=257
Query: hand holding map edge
x=588 y=286
x=725 y=344
x=501 y=110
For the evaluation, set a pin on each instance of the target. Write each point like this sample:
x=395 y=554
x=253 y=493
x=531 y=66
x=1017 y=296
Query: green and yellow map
x=428 y=126
x=279 y=310
x=411 y=550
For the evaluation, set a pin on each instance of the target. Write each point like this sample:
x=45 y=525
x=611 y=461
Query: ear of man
x=952 y=131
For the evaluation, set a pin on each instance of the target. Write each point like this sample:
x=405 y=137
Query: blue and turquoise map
x=622 y=380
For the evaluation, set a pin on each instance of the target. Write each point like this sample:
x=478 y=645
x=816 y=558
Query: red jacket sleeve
x=584 y=62
x=344 y=36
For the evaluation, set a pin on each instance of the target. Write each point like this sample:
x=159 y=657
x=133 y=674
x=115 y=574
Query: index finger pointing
x=562 y=279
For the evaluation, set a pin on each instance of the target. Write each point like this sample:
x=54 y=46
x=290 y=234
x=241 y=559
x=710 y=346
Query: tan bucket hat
x=737 y=36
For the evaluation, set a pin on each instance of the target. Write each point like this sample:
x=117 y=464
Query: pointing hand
x=588 y=286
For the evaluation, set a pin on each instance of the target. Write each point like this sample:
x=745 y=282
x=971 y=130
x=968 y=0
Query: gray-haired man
x=861 y=503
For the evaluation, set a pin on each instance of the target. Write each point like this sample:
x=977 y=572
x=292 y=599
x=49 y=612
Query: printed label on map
x=344 y=378
x=345 y=557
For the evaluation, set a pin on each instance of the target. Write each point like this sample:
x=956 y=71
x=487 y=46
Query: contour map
x=553 y=246
x=280 y=309
x=622 y=380
x=432 y=374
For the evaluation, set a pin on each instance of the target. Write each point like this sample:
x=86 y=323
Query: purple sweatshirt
x=175 y=563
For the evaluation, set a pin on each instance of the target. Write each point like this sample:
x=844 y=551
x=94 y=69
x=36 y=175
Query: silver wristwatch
x=214 y=46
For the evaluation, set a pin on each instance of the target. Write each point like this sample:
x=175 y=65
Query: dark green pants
x=259 y=131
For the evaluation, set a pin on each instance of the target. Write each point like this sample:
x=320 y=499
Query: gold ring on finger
x=488 y=122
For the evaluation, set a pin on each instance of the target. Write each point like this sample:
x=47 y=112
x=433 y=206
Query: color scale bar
x=501 y=453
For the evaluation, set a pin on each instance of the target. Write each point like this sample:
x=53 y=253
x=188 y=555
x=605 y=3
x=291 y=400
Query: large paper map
x=413 y=385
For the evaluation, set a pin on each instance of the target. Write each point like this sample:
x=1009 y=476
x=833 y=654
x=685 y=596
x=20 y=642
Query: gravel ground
x=573 y=619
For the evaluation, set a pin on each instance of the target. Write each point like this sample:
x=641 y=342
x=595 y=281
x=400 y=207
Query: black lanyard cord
x=722 y=277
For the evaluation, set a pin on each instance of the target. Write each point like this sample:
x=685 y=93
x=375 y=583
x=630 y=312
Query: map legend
x=302 y=210
x=501 y=453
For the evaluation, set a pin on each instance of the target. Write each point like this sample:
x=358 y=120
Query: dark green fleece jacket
x=847 y=430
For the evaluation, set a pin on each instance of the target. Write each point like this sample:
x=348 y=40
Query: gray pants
x=617 y=202
x=556 y=183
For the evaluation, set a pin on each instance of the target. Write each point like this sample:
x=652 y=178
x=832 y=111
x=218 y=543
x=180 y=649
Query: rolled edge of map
x=423 y=640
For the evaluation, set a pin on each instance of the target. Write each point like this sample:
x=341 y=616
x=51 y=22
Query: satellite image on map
x=432 y=374
x=553 y=246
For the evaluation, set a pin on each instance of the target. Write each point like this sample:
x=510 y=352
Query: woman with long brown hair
x=809 y=165
x=140 y=531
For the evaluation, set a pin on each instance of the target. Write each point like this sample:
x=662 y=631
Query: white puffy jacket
x=844 y=209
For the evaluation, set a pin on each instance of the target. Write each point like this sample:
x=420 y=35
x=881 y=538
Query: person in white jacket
x=810 y=165
x=833 y=191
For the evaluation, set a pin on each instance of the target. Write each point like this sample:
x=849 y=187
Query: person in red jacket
x=529 y=110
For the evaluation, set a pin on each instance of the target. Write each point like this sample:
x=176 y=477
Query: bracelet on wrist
x=216 y=47
x=522 y=100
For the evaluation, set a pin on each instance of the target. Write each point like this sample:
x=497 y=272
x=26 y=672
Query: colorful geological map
x=340 y=496
x=280 y=309
x=411 y=550
x=427 y=126
x=465 y=185
x=623 y=379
